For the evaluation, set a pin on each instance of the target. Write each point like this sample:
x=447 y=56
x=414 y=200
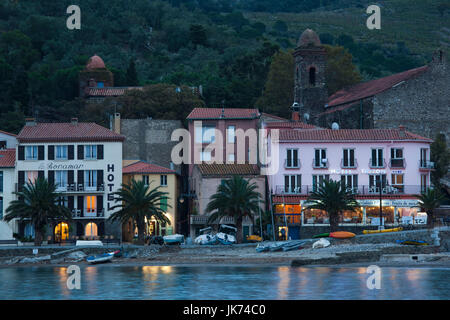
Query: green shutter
x=164 y=203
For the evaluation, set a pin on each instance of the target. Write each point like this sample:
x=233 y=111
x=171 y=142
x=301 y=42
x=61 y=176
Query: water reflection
x=222 y=282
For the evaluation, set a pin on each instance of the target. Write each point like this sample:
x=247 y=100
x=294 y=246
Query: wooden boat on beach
x=101 y=258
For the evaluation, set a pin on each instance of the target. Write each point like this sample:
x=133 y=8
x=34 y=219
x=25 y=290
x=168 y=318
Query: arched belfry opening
x=312 y=76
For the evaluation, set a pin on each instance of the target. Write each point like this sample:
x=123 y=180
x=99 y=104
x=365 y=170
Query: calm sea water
x=222 y=283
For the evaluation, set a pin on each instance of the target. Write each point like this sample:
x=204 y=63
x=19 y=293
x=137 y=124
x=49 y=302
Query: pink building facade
x=391 y=164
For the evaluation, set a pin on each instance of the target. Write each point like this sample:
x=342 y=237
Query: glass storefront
x=394 y=212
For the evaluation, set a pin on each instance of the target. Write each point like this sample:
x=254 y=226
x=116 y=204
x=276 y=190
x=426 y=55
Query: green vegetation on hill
x=227 y=46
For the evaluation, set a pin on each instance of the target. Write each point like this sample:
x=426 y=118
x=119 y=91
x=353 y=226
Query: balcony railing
x=397 y=163
x=77 y=213
x=203 y=219
x=320 y=163
x=71 y=188
x=359 y=190
x=377 y=164
x=348 y=166
x=425 y=164
x=290 y=164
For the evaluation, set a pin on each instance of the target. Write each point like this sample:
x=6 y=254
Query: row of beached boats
x=288 y=245
x=226 y=235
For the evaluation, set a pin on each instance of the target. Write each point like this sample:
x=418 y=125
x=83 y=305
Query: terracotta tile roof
x=67 y=132
x=142 y=167
x=290 y=125
x=229 y=113
x=109 y=91
x=7 y=158
x=8 y=133
x=349 y=135
x=228 y=169
x=272 y=116
x=371 y=88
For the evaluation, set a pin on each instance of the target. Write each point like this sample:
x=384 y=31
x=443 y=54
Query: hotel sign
x=59 y=166
x=389 y=203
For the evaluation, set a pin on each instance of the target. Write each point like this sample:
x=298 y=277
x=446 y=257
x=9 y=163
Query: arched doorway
x=61 y=232
x=91 y=230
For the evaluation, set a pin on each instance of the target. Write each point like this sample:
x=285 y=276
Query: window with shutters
x=320 y=158
x=163 y=180
x=1 y=181
x=146 y=180
x=61 y=153
x=61 y=179
x=377 y=160
x=348 y=158
x=31 y=152
x=31 y=176
x=292 y=183
x=376 y=181
x=1 y=208
x=319 y=179
x=90 y=152
x=292 y=160
x=350 y=182
x=91 y=205
x=90 y=179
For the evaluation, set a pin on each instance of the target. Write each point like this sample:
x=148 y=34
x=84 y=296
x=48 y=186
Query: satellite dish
x=306 y=116
x=295 y=106
x=335 y=126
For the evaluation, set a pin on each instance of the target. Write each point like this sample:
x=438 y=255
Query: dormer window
x=312 y=76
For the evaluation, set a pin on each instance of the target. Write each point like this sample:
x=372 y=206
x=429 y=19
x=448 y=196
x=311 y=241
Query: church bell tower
x=310 y=61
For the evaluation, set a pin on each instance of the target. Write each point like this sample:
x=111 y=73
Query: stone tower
x=95 y=75
x=310 y=61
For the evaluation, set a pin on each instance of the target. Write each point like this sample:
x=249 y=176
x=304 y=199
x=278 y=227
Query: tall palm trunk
x=38 y=236
x=334 y=221
x=430 y=219
x=141 y=231
x=239 y=229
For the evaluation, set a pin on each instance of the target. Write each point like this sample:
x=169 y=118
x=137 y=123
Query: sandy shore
x=247 y=255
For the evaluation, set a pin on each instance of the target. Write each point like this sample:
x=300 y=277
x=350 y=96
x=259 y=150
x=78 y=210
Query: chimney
x=295 y=111
x=402 y=129
x=30 y=122
x=116 y=126
x=74 y=121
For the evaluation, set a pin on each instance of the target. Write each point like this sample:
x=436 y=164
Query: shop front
x=395 y=212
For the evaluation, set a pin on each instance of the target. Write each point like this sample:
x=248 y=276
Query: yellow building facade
x=155 y=176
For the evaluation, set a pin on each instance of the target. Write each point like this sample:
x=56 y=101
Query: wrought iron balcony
x=80 y=188
x=425 y=164
x=320 y=163
x=349 y=165
x=397 y=163
x=292 y=164
x=377 y=164
x=77 y=213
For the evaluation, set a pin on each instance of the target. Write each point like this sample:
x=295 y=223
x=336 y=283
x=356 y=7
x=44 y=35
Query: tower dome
x=95 y=62
x=309 y=37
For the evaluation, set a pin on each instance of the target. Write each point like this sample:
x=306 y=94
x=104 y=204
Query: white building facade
x=84 y=160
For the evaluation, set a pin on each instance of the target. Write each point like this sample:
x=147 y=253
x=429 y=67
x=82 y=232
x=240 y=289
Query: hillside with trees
x=236 y=50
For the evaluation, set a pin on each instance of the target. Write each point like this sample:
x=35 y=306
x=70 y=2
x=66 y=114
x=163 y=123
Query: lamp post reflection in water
x=283 y=284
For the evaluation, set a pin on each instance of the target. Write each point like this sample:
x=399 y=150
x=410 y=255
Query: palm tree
x=139 y=202
x=236 y=198
x=40 y=203
x=333 y=198
x=429 y=200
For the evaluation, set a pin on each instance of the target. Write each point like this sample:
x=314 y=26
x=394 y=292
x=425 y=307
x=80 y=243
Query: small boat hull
x=226 y=239
x=102 y=258
x=342 y=235
x=206 y=239
x=173 y=239
x=322 y=235
x=413 y=242
x=382 y=231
